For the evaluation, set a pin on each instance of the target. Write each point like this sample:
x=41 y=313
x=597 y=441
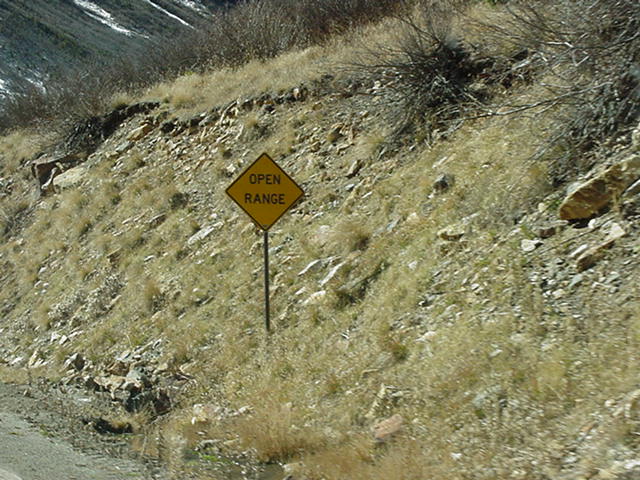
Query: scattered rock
x=203 y=233
x=110 y=383
x=443 y=183
x=332 y=273
x=35 y=361
x=576 y=280
x=321 y=236
x=634 y=189
x=413 y=219
x=315 y=298
x=158 y=400
x=123 y=147
x=631 y=208
x=615 y=233
x=77 y=361
x=635 y=137
x=204 y=413
x=139 y=132
x=491 y=399
x=548 y=230
x=292 y=471
x=529 y=245
x=587 y=258
x=385 y=429
x=168 y=126
x=157 y=220
x=335 y=133
x=136 y=381
x=313 y=266
x=355 y=167
x=452 y=233
x=579 y=251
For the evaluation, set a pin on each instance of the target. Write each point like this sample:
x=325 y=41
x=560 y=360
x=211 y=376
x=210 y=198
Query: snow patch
x=192 y=5
x=37 y=82
x=3 y=88
x=175 y=17
x=101 y=15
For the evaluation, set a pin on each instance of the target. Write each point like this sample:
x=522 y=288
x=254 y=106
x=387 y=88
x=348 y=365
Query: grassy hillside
x=434 y=316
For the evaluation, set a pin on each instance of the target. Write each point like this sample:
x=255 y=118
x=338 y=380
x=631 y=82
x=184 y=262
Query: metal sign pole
x=267 y=320
x=265 y=192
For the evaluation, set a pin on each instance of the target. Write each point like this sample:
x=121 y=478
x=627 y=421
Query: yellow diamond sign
x=264 y=191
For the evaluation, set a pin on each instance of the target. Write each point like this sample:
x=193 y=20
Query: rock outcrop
x=586 y=199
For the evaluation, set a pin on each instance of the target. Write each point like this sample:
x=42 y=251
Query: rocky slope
x=41 y=39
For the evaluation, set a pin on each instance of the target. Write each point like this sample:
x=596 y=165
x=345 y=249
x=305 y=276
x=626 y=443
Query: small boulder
x=443 y=183
x=452 y=233
x=385 y=429
x=588 y=198
x=70 y=178
x=140 y=132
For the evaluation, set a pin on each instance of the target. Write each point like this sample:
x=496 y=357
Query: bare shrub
x=584 y=54
x=428 y=72
x=589 y=53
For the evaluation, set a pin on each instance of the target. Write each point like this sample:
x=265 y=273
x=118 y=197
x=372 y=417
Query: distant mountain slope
x=39 y=37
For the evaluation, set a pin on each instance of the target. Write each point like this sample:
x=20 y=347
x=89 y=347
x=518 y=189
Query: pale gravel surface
x=37 y=443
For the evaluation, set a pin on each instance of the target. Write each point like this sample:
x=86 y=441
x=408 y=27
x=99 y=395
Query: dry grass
x=200 y=92
x=492 y=380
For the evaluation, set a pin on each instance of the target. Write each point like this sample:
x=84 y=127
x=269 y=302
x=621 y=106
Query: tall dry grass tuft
x=276 y=430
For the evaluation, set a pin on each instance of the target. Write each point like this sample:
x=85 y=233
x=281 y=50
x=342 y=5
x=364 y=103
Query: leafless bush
x=588 y=53
x=584 y=53
x=259 y=29
x=73 y=96
x=428 y=73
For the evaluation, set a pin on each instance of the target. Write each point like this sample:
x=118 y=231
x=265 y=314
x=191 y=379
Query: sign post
x=265 y=192
x=267 y=315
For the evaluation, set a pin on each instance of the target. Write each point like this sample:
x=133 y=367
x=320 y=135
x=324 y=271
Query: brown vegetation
x=393 y=293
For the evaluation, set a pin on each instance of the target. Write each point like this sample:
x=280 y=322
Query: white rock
x=312 y=266
x=70 y=178
x=139 y=132
x=578 y=251
x=332 y=273
x=315 y=298
x=529 y=245
x=615 y=233
x=203 y=233
x=452 y=233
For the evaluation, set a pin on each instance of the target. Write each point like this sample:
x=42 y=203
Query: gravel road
x=38 y=443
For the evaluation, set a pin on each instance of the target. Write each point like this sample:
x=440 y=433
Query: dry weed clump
x=276 y=431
